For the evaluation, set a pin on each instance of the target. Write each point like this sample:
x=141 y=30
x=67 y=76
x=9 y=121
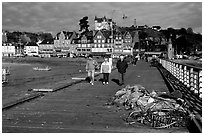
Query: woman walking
x=106 y=70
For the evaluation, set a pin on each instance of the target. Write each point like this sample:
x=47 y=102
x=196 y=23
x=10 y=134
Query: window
x=119 y=37
x=95 y=41
x=99 y=45
x=99 y=37
x=83 y=50
x=99 y=41
x=88 y=50
x=102 y=45
x=103 y=41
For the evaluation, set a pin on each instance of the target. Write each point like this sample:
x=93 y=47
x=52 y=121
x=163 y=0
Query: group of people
x=105 y=68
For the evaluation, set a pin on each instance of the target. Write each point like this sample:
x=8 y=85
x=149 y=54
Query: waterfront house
x=31 y=49
x=103 y=43
x=8 y=49
x=46 y=48
x=64 y=42
x=128 y=42
x=84 y=43
x=118 y=43
x=61 y=43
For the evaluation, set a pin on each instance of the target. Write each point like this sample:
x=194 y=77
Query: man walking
x=122 y=66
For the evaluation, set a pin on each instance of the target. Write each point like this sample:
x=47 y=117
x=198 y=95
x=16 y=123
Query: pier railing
x=190 y=76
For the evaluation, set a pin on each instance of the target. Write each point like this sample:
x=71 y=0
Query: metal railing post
x=191 y=79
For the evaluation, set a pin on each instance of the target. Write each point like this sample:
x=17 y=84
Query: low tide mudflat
x=22 y=76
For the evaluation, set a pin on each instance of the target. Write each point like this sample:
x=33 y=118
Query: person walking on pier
x=136 y=59
x=122 y=65
x=90 y=68
x=106 y=70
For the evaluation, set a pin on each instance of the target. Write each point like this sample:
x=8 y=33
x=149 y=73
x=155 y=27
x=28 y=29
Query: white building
x=32 y=49
x=8 y=49
x=103 y=23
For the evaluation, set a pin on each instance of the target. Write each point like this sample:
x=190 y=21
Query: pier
x=82 y=107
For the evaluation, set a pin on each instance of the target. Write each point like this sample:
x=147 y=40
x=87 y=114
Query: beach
x=22 y=76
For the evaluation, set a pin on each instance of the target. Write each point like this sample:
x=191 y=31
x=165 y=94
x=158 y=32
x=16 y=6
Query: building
x=103 y=43
x=46 y=48
x=103 y=23
x=63 y=42
x=128 y=43
x=31 y=49
x=8 y=49
x=156 y=27
x=118 y=43
x=4 y=37
x=84 y=43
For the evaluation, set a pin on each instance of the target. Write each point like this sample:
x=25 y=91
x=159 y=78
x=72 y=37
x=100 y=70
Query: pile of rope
x=158 y=111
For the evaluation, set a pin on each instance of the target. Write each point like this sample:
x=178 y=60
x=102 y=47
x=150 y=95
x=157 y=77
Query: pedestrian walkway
x=82 y=107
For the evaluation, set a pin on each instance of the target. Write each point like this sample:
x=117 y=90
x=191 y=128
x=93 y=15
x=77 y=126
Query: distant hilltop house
x=103 y=23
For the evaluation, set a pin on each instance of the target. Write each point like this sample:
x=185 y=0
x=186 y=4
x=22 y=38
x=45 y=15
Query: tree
x=182 y=31
x=83 y=23
x=43 y=36
x=25 y=39
x=189 y=30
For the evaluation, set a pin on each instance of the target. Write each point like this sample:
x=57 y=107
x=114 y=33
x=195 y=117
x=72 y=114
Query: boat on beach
x=42 y=69
x=4 y=79
x=5 y=71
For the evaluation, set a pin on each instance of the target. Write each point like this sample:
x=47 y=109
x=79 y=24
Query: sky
x=57 y=16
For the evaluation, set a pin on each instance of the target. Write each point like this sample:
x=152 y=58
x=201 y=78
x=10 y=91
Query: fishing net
x=151 y=109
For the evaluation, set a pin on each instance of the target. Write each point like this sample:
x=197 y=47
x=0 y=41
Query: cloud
x=57 y=16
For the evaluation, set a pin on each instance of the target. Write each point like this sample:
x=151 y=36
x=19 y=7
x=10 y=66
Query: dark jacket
x=122 y=66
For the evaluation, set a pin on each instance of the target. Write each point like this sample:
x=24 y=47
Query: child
x=90 y=68
x=106 y=70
